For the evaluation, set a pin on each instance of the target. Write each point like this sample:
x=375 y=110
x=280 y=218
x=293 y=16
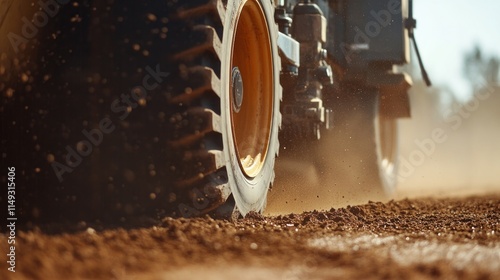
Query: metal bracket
x=289 y=49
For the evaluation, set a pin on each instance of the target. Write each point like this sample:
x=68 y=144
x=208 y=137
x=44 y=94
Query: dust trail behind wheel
x=342 y=168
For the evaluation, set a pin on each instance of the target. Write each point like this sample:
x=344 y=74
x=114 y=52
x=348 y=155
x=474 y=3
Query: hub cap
x=237 y=88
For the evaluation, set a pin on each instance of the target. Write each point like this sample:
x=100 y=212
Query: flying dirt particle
x=82 y=147
x=37 y=170
x=24 y=77
x=9 y=93
x=152 y=17
x=152 y=196
x=90 y=231
x=76 y=18
x=136 y=47
x=254 y=246
x=50 y=158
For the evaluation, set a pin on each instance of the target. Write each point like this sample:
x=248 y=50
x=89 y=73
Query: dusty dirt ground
x=450 y=238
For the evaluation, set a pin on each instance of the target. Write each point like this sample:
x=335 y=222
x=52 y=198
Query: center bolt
x=237 y=88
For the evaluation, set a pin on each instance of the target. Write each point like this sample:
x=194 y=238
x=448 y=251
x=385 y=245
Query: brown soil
x=420 y=238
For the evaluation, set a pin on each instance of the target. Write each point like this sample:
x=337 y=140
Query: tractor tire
x=225 y=85
x=188 y=93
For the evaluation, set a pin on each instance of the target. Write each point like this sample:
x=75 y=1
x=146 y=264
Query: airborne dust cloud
x=465 y=160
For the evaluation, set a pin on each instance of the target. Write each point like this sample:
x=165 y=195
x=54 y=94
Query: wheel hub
x=237 y=86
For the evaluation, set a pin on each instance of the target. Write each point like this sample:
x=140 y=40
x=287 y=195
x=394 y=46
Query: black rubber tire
x=203 y=136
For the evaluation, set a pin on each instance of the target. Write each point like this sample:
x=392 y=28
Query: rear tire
x=386 y=147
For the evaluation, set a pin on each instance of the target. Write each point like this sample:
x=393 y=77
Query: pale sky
x=446 y=29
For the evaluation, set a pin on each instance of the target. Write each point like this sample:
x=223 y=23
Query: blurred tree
x=483 y=73
x=480 y=70
x=428 y=104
